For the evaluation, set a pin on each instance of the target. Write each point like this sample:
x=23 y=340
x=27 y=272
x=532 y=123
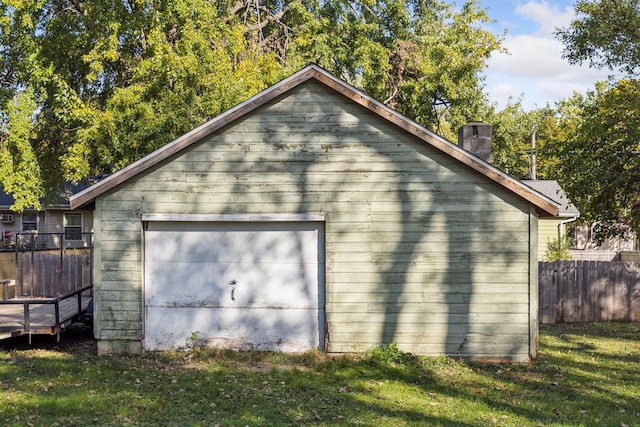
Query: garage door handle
x=233 y=283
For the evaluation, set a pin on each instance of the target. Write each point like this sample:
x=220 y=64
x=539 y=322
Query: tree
x=114 y=80
x=18 y=165
x=512 y=147
x=422 y=58
x=601 y=157
x=600 y=160
x=604 y=34
x=511 y=139
x=555 y=125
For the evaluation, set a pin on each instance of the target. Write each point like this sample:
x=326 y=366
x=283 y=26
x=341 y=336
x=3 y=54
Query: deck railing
x=60 y=318
x=52 y=283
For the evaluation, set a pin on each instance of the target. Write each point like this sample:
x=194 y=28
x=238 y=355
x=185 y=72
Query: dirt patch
x=76 y=339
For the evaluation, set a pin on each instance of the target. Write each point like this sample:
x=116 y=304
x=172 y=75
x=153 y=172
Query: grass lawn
x=586 y=375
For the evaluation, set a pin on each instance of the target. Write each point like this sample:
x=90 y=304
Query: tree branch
x=258 y=26
x=237 y=7
x=78 y=7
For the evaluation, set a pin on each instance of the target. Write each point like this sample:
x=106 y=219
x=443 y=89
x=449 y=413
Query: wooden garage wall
x=420 y=250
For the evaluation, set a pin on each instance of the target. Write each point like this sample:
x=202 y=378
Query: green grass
x=586 y=375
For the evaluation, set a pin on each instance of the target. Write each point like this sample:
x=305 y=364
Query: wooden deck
x=41 y=317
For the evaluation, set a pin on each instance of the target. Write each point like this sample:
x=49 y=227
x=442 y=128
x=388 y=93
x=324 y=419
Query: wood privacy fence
x=50 y=274
x=588 y=291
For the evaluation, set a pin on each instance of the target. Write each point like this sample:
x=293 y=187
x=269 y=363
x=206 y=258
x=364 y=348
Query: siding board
x=462 y=320
x=119 y=295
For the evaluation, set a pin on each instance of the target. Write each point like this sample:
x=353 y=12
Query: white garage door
x=241 y=285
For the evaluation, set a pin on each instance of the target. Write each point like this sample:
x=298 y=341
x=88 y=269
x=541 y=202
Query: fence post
x=585 y=287
x=561 y=289
x=579 y=287
x=60 y=284
x=33 y=263
x=545 y=287
x=633 y=275
x=19 y=273
x=620 y=309
x=569 y=292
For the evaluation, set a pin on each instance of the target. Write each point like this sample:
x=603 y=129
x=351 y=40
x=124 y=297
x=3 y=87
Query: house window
x=72 y=226
x=29 y=221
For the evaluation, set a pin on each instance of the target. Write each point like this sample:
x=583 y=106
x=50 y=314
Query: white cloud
x=529 y=56
x=551 y=89
x=505 y=91
x=547 y=17
x=534 y=66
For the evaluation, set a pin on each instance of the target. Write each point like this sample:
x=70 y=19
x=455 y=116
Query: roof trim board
x=544 y=205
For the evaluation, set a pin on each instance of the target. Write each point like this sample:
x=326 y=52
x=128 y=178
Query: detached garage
x=313 y=217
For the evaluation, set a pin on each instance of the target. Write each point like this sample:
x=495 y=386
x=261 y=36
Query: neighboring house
x=54 y=217
x=583 y=245
x=551 y=229
x=313 y=216
x=587 y=248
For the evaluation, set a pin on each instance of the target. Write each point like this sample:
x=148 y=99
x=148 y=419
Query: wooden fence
x=7 y=265
x=52 y=274
x=588 y=291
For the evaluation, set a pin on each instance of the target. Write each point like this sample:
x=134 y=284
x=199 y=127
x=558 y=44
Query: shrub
x=558 y=249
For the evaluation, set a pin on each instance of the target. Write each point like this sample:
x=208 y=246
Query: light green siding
x=533 y=283
x=548 y=231
x=420 y=249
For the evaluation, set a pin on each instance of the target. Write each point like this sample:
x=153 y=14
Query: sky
x=534 y=69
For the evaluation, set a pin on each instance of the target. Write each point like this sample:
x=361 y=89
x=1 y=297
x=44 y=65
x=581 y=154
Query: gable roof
x=553 y=190
x=544 y=205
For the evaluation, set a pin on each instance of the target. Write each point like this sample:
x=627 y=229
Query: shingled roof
x=554 y=191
